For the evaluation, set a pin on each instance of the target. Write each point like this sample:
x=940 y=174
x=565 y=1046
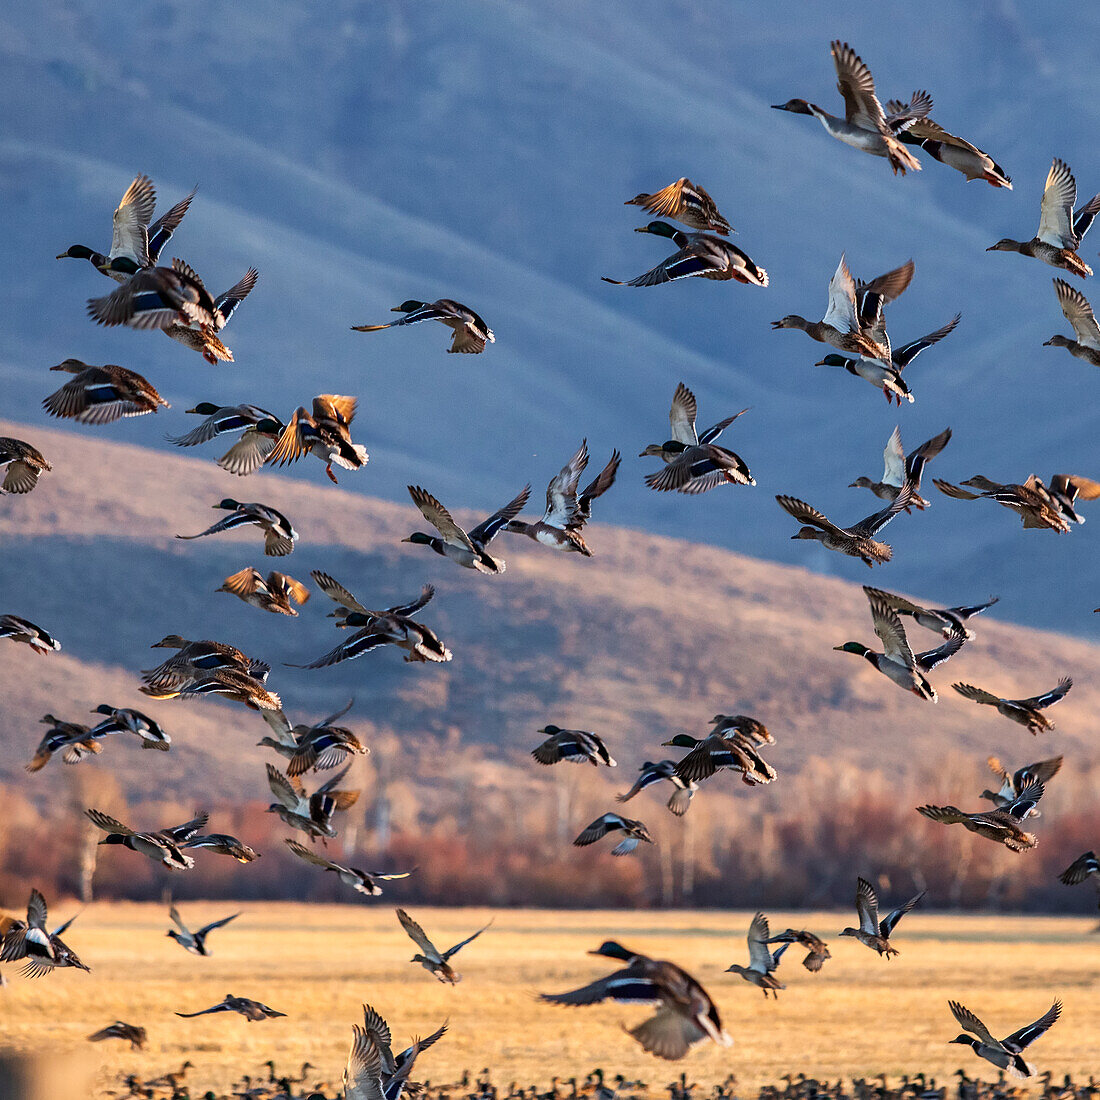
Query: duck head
x=1005 y=245
x=407 y=307
x=808 y=533
x=792 y=320
x=831 y=361
x=612 y=949
x=682 y=741
x=661 y=229
x=204 y=408
x=420 y=538
x=795 y=106
x=72 y=366
x=852 y=647
x=228 y=504
x=1058 y=342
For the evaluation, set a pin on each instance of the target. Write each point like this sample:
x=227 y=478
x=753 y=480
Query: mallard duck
x=717 y=751
x=1060 y=230
x=163 y=847
x=252 y=1011
x=101 y=395
x=127 y=720
x=325 y=433
x=577 y=746
x=749 y=728
x=22 y=464
x=134 y=242
x=158 y=297
x=1067 y=489
x=686 y=1015
x=1001 y=825
x=943 y=620
x=694 y=464
x=1031 y=501
x=277 y=594
x=365 y=882
x=468 y=549
x=373 y=1072
x=635 y=831
x=202 y=338
x=567 y=511
x=1007 y=1053
x=1083 y=867
x=898 y=469
x=228 y=683
x=650 y=773
x=23 y=630
x=865 y=125
x=763 y=962
x=686 y=203
x=433 y=960
x=310 y=814
x=856 y=541
x=949 y=149
x=194 y=942
x=1076 y=309
x=471 y=333
x=699 y=254
x=195 y=657
x=898 y=662
x=131 y=1033
x=1027 y=712
x=817 y=948
x=1013 y=784
x=224 y=845
x=889 y=379
x=321 y=746
x=872 y=932
x=279 y=536
x=44 y=951
x=74 y=738
x=840 y=326
x=261 y=432
x=393 y=626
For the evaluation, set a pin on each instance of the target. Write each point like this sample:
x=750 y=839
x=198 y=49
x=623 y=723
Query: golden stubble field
x=860 y=1016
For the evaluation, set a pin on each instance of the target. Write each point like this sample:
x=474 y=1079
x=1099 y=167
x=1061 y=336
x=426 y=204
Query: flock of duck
x=173 y=299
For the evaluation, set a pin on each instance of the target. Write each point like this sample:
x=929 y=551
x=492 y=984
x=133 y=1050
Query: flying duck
x=202 y=337
x=21 y=464
x=326 y=433
x=651 y=773
x=279 y=536
x=250 y=1010
x=365 y=882
x=1007 y=1053
x=1076 y=310
x=261 y=430
x=195 y=942
x=699 y=254
x=1027 y=712
x=872 y=932
x=101 y=395
x=635 y=831
x=898 y=469
x=471 y=333
x=157 y=298
x=1000 y=825
x=763 y=962
x=433 y=960
x=687 y=203
x=164 y=846
x=1013 y=784
x=23 y=630
x=277 y=594
x=577 y=746
x=943 y=620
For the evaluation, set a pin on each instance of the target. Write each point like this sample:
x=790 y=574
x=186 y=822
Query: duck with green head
x=699 y=254
x=471 y=333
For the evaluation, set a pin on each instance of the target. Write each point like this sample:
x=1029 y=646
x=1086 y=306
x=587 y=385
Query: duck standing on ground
x=567 y=511
x=1000 y=825
x=468 y=549
x=694 y=463
x=763 y=962
x=872 y=932
x=686 y=1014
x=687 y=203
x=433 y=960
x=279 y=536
x=898 y=469
x=898 y=662
x=1077 y=310
x=101 y=395
x=1006 y=1054
x=1060 y=230
x=699 y=254
x=22 y=464
x=865 y=125
x=1027 y=712
x=471 y=333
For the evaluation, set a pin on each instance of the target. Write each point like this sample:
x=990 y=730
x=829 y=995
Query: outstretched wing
x=969 y=1022
x=1018 y=1040
x=487 y=530
x=889 y=922
x=595 y=488
x=462 y=943
x=439 y=518
x=1056 y=211
x=867 y=907
x=417 y=934
x=1049 y=698
x=930 y=658
x=336 y=591
x=808 y=514
x=561 y=493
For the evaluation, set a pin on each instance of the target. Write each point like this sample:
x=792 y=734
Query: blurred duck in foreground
x=576 y=746
x=102 y=395
x=635 y=833
x=686 y=1014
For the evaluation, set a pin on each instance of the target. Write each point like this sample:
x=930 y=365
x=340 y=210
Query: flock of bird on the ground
x=174 y=300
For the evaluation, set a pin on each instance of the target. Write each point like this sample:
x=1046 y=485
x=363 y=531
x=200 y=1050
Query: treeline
x=481 y=831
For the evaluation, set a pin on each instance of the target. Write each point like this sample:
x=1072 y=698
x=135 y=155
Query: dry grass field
x=860 y=1015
